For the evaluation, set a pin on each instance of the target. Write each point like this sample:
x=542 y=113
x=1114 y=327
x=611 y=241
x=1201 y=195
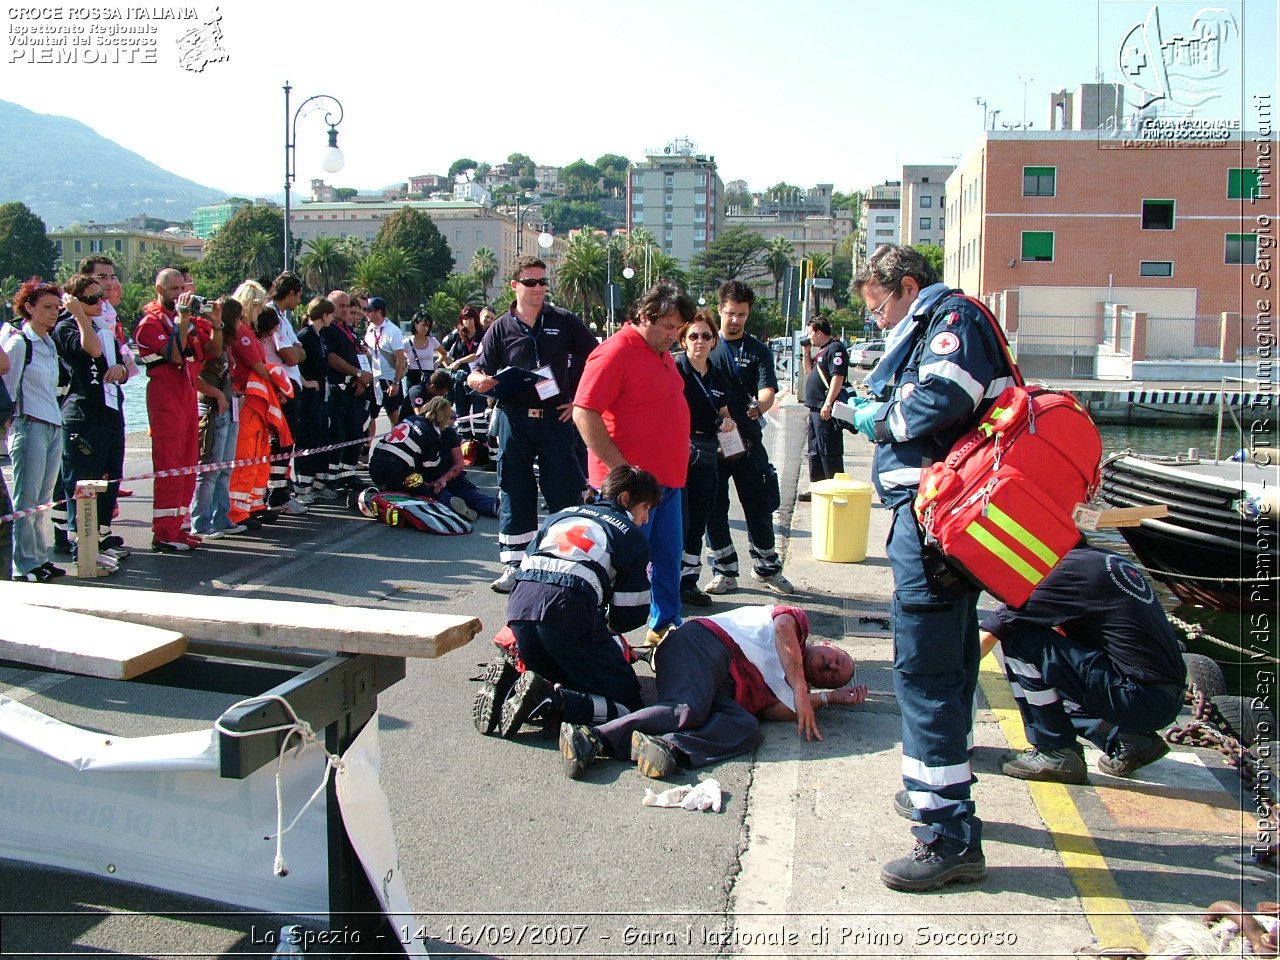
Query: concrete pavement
x=490 y=833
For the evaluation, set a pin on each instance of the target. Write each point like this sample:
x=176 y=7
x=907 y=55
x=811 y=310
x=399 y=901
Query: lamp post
x=983 y=104
x=545 y=240
x=1025 y=81
x=331 y=162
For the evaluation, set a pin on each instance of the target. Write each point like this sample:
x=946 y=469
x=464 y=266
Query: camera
x=200 y=305
x=804 y=341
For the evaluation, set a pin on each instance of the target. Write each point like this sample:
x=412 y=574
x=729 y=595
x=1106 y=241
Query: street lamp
x=331 y=162
x=545 y=240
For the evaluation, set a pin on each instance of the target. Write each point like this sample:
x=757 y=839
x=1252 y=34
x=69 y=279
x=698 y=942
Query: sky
x=812 y=91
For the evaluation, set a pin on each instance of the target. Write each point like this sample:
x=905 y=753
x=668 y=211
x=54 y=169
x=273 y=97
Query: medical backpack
x=999 y=507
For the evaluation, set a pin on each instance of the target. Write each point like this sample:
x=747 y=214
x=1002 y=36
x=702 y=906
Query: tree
x=614 y=168
x=443 y=311
x=324 y=264
x=464 y=288
x=355 y=247
x=345 y=193
x=229 y=250
x=737 y=254
x=581 y=177
x=401 y=276
x=25 y=249
x=778 y=259
x=484 y=267
x=934 y=254
x=666 y=268
x=461 y=165
x=369 y=273
x=847 y=201
x=580 y=277
x=524 y=162
x=417 y=235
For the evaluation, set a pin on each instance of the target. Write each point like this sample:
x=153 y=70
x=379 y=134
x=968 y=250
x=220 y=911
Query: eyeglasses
x=700 y=336
x=89 y=301
x=879 y=311
x=532 y=282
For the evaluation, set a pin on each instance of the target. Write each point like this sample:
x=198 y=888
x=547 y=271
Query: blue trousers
x=522 y=440
x=211 y=503
x=476 y=499
x=665 y=531
x=935 y=677
x=1065 y=689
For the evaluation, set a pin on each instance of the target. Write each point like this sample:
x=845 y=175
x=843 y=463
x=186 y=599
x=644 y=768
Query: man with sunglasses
x=536 y=423
x=941 y=370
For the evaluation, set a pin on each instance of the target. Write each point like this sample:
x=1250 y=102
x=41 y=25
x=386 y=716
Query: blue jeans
x=36 y=452
x=212 y=500
x=665 y=531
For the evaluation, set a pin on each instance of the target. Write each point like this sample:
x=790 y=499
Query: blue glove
x=858 y=400
x=864 y=418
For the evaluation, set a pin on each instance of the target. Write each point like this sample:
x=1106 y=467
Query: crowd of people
x=233 y=387
x=632 y=448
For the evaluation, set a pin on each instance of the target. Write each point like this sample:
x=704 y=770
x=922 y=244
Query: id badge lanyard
x=547 y=387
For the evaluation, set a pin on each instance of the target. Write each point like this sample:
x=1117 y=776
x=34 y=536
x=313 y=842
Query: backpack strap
x=1001 y=339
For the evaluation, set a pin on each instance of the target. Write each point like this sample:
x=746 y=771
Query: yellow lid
x=840 y=485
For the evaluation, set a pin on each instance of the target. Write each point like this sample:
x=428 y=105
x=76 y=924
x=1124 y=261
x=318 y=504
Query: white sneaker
x=324 y=493
x=460 y=507
x=721 y=583
x=505 y=583
x=774 y=582
x=294 y=508
x=212 y=535
x=232 y=530
x=107 y=564
x=307 y=499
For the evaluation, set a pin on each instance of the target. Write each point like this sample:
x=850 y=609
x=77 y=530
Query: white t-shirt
x=284 y=336
x=383 y=342
x=752 y=630
x=421 y=359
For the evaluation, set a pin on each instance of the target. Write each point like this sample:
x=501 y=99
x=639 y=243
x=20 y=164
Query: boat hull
x=1205 y=550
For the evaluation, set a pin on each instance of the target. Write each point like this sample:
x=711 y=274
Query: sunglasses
x=91 y=300
x=700 y=336
x=531 y=282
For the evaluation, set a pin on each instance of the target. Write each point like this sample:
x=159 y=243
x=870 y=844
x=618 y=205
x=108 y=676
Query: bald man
x=168 y=343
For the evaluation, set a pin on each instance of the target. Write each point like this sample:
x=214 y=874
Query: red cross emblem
x=574 y=537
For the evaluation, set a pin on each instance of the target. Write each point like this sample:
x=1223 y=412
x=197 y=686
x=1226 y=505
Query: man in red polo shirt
x=630 y=409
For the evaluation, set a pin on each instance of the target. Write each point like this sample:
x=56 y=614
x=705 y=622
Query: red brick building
x=1058 y=224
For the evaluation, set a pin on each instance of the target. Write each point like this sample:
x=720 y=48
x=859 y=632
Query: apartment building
x=126 y=247
x=923 y=203
x=880 y=220
x=677 y=195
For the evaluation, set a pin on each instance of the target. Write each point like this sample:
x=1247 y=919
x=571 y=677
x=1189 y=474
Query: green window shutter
x=1037 y=245
x=1038 y=181
x=1242 y=248
x=1242 y=184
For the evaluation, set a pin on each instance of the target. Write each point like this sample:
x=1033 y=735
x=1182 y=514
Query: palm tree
x=464 y=288
x=260 y=256
x=443 y=311
x=581 y=275
x=777 y=260
x=325 y=263
x=369 y=273
x=484 y=267
x=356 y=247
x=665 y=267
x=819 y=266
x=402 y=278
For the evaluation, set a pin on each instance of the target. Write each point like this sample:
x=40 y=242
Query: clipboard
x=512 y=380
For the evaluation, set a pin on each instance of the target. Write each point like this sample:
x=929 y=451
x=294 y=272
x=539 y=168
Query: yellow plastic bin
x=841 y=518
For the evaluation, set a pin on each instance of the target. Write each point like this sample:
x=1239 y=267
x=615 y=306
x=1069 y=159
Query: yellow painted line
x=1105 y=907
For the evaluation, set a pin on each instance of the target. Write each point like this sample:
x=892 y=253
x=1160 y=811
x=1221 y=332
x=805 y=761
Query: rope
x=305 y=734
x=1195 y=631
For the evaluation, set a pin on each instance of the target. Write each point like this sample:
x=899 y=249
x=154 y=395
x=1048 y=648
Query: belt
x=31 y=419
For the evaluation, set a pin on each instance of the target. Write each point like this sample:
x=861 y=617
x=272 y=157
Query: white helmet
x=365 y=502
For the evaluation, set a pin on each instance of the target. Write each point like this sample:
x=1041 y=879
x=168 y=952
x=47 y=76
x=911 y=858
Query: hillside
x=68 y=174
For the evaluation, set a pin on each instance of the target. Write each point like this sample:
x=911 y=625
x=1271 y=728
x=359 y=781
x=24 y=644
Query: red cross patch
x=944 y=343
x=574 y=538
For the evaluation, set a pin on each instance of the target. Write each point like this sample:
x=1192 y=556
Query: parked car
x=866 y=353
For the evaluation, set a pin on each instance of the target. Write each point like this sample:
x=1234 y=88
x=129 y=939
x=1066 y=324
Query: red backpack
x=999 y=506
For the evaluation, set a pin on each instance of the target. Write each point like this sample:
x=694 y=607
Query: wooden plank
x=90 y=646
x=268 y=623
x=1087 y=519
